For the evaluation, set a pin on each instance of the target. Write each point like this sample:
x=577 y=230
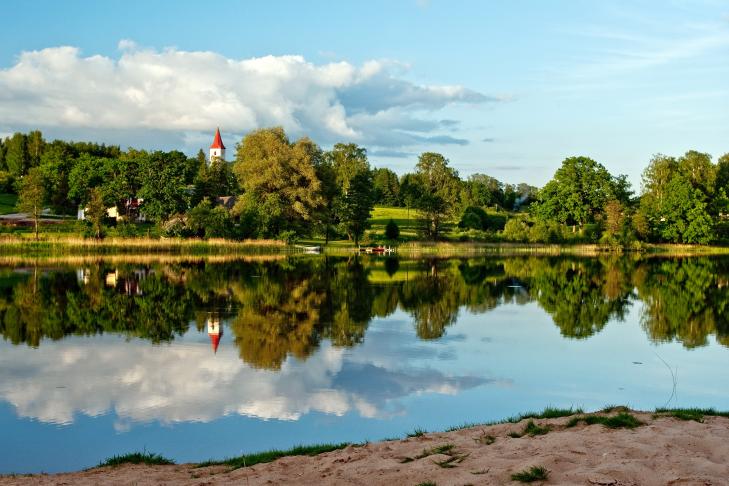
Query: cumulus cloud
x=186 y=382
x=190 y=92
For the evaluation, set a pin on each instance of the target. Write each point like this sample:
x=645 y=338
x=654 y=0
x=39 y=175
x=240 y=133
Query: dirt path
x=664 y=451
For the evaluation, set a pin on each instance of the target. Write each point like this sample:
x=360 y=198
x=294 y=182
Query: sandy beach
x=663 y=451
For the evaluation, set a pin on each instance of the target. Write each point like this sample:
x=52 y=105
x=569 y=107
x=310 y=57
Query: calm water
x=100 y=359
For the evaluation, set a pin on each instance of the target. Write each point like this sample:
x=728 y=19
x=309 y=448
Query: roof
x=215 y=341
x=217 y=141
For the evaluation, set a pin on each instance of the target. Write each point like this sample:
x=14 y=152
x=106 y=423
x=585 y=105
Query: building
x=217 y=149
x=214 y=332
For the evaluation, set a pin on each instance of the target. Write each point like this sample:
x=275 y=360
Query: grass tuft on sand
x=695 y=414
x=248 y=460
x=623 y=420
x=148 y=458
x=534 y=473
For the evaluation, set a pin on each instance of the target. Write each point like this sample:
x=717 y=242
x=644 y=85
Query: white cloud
x=185 y=381
x=193 y=91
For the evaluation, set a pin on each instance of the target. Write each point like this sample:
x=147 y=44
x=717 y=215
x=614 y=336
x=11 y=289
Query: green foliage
x=695 y=414
x=282 y=190
x=623 y=420
x=516 y=229
x=355 y=206
x=534 y=473
x=439 y=188
x=147 y=458
x=578 y=192
x=96 y=212
x=531 y=429
x=207 y=221
x=386 y=187
x=249 y=460
x=418 y=432
x=32 y=195
x=164 y=178
x=8 y=203
x=392 y=230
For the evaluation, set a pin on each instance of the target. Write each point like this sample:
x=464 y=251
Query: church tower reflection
x=214 y=331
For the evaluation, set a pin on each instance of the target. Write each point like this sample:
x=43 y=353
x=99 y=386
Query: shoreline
x=77 y=246
x=616 y=446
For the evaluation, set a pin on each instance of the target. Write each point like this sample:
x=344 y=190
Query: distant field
x=406 y=220
x=7 y=203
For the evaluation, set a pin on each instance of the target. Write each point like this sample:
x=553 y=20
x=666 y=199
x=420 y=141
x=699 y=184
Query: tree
x=578 y=192
x=392 y=230
x=164 y=178
x=357 y=205
x=348 y=160
x=17 y=158
x=386 y=187
x=280 y=178
x=440 y=188
x=36 y=145
x=32 y=196
x=96 y=212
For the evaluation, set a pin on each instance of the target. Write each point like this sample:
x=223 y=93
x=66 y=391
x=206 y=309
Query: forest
x=292 y=190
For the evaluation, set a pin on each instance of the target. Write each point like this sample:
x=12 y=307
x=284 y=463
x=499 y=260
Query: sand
x=665 y=451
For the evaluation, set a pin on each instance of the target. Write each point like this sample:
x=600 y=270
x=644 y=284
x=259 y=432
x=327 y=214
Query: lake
x=207 y=358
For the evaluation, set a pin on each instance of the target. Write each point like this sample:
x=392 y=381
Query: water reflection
x=287 y=308
x=253 y=354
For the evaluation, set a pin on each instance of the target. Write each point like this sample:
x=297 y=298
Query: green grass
x=531 y=429
x=137 y=458
x=7 y=203
x=427 y=483
x=534 y=473
x=248 y=460
x=695 y=414
x=622 y=420
x=418 y=432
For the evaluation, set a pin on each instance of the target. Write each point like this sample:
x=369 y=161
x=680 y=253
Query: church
x=217 y=149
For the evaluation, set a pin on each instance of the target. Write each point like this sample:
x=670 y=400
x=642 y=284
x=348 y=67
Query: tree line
x=288 y=189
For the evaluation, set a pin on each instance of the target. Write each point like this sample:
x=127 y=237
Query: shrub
x=473 y=218
x=392 y=230
x=516 y=230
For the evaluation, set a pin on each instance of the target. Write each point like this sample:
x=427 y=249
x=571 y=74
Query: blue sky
x=504 y=88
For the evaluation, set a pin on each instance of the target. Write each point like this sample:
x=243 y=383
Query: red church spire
x=215 y=341
x=217 y=141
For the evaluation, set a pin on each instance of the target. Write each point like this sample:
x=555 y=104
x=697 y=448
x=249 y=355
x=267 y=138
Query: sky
x=508 y=89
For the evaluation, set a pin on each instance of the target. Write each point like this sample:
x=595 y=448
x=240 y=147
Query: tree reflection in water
x=286 y=308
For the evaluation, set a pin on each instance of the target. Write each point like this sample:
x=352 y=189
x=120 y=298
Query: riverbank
x=613 y=447
x=65 y=245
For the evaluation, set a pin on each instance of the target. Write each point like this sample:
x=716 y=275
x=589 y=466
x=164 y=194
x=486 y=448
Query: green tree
x=17 y=158
x=164 y=178
x=36 y=145
x=280 y=181
x=440 y=188
x=386 y=187
x=392 y=230
x=356 y=206
x=348 y=160
x=32 y=196
x=578 y=192
x=96 y=212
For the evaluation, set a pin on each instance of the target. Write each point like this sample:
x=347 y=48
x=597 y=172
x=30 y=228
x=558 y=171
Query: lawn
x=7 y=203
x=404 y=218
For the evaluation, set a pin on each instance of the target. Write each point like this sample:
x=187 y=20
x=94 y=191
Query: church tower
x=217 y=149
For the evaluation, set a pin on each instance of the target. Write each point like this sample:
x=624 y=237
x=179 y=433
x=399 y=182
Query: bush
x=392 y=230
x=473 y=218
x=543 y=232
x=516 y=230
x=591 y=232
